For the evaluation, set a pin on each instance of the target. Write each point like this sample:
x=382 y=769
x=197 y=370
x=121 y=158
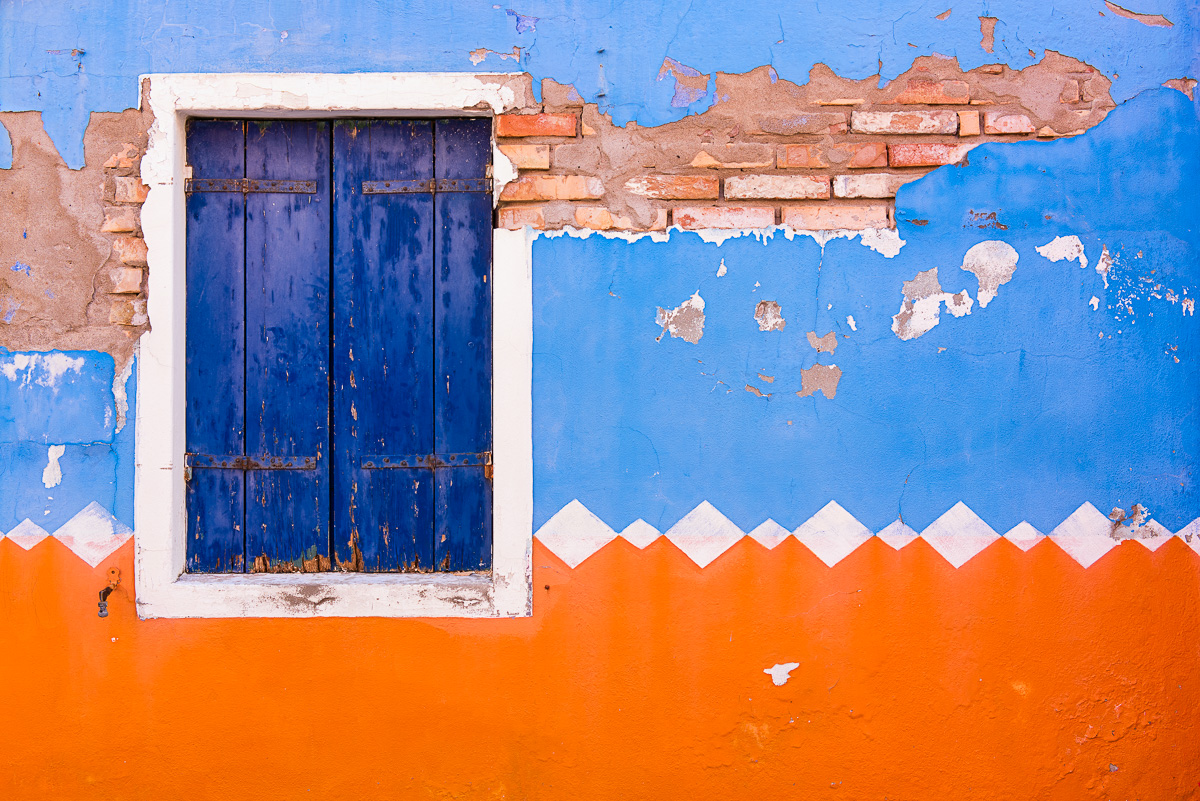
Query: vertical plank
x=215 y=348
x=463 y=346
x=383 y=345
x=287 y=346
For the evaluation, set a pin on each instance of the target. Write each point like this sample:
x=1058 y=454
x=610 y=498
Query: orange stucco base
x=1017 y=676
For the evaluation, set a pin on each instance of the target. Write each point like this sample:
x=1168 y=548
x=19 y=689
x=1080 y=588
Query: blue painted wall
x=1023 y=410
x=67 y=62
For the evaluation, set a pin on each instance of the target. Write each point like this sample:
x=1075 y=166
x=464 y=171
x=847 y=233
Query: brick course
x=535 y=125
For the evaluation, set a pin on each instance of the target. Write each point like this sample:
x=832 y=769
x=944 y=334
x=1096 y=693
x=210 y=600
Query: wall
x=826 y=438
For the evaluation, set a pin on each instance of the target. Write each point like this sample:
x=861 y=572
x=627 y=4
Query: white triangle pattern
x=93 y=534
x=832 y=533
x=28 y=534
x=574 y=534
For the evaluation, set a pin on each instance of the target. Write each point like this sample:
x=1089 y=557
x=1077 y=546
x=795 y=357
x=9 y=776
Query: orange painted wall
x=1017 y=676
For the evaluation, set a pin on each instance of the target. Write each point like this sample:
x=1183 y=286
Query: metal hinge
x=422 y=461
x=427 y=186
x=245 y=185
x=195 y=461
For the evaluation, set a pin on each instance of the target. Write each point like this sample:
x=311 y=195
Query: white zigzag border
x=574 y=534
x=93 y=534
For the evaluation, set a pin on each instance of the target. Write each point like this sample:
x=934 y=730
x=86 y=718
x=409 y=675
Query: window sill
x=323 y=595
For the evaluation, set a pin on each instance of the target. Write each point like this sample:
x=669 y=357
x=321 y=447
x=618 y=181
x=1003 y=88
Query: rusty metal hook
x=114 y=578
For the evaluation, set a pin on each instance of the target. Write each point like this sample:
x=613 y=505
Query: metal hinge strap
x=423 y=461
x=245 y=185
x=209 y=461
x=427 y=186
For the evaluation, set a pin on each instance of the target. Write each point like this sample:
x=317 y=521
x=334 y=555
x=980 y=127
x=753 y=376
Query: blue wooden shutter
x=383 y=343
x=216 y=348
x=463 y=337
x=258 y=346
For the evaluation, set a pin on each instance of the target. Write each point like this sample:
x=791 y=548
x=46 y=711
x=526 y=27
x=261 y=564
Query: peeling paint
x=820 y=377
x=780 y=673
x=768 y=316
x=1104 y=264
x=920 y=310
x=690 y=85
x=685 y=321
x=120 y=396
x=825 y=344
x=722 y=269
x=1060 y=248
x=993 y=263
x=52 y=475
x=1153 y=20
x=850 y=322
x=43 y=369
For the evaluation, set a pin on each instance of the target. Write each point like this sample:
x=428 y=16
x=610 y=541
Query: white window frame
x=162 y=587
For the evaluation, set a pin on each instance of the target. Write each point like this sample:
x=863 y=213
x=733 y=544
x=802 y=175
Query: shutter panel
x=383 y=343
x=215 y=352
x=287 y=346
x=463 y=346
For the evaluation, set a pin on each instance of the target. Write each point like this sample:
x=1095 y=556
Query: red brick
x=997 y=122
x=528 y=157
x=735 y=157
x=866 y=156
x=925 y=91
x=128 y=312
x=514 y=217
x=873 y=185
x=830 y=217
x=921 y=154
x=126 y=281
x=123 y=158
x=693 y=217
x=535 y=125
x=675 y=187
x=905 y=122
x=553 y=187
x=120 y=220
x=802 y=157
x=601 y=219
x=781 y=187
x=130 y=250
x=968 y=123
x=130 y=189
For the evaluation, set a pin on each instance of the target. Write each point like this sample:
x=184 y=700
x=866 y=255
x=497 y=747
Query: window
x=166 y=584
x=339 y=345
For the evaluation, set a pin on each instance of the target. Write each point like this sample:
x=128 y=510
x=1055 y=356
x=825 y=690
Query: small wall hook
x=114 y=578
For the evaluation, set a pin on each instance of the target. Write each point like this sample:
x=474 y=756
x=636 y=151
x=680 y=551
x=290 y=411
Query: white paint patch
x=769 y=534
x=1086 y=535
x=850 y=322
x=722 y=269
x=640 y=533
x=1067 y=248
x=885 y=241
x=704 y=534
x=27 y=534
x=120 y=397
x=921 y=308
x=1024 y=536
x=781 y=673
x=43 y=369
x=1104 y=265
x=93 y=534
x=897 y=534
x=959 y=534
x=1094 y=303
x=574 y=534
x=993 y=263
x=1189 y=307
x=832 y=533
x=52 y=475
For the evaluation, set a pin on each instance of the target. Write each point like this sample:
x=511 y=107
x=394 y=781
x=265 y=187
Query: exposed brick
x=905 y=122
x=1072 y=92
x=866 y=156
x=780 y=187
x=535 y=125
x=997 y=122
x=130 y=250
x=675 y=187
x=921 y=154
x=802 y=157
x=968 y=123
x=924 y=91
x=516 y=217
x=120 y=220
x=736 y=157
x=560 y=95
x=812 y=122
x=130 y=189
x=692 y=217
x=871 y=185
x=123 y=158
x=528 y=157
x=601 y=219
x=830 y=217
x=553 y=187
x=128 y=312
x=126 y=281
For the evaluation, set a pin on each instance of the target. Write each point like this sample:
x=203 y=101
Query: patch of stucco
x=685 y=321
